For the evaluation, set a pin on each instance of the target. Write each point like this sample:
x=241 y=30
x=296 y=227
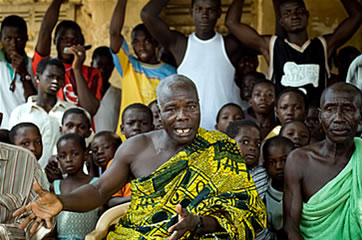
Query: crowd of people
x=204 y=146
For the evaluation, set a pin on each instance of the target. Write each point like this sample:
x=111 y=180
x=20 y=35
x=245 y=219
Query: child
x=45 y=109
x=72 y=153
x=136 y=118
x=27 y=135
x=291 y=104
x=297 y=132
x=103 y=61
x=156 y=115
x=262 y=103
x=246 y=83
x=228 y=113
x=248 y=137
x=312 y=121
x=104 y=146
x=275 y=151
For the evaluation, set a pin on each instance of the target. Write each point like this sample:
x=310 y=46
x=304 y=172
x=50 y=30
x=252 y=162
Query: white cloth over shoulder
x=354 y=75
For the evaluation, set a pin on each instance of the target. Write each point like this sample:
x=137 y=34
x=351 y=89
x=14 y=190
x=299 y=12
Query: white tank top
x=207 y=64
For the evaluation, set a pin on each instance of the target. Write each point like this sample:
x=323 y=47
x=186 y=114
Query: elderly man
x=188 y=182
x=323 y=181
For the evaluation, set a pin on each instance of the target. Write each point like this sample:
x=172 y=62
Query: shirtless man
x=315 y=181
x=205 y=56
x=160 y=157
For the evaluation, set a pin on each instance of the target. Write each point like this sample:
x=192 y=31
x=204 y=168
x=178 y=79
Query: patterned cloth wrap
x=208 y=178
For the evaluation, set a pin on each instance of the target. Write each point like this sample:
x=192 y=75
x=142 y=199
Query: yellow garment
x=208 y=178
x=273 y=133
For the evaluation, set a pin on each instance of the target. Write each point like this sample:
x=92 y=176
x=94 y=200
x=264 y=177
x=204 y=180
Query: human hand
x=52 y=170
x=79 y=56
x=186 y=222
x=18 y=63
x=44 y=208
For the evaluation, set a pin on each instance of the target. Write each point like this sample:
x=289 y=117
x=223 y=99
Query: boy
x=15 y=67
x=291 y=104
x=156 y=115
x=262 y=102
x=246 y=83
x=141 y=75
x=136 y=118
x=297 y=132
x=27 y=135
x=82 y=84
x=296 y=61
x=45 y=109
x=227 y=114
x=314 y=125
x=205 y=56
x=275 y=152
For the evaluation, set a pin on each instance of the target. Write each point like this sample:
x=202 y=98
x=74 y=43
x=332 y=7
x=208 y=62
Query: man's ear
x=122 y=128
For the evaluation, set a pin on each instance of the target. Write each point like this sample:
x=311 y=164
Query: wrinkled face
x=205 y=14
x=67 y=37
x=105 y=65
x=180 y=113
x=249 y=142
x=293 y=16
x=275 y=161
x=144 y=46
x=312 y=121
x=262 y=98
x=297 y=132
x=290 y=107
x=76 y=123
x=228 y=115
x=29 y=138
x=156 y=116
x=247 y=84
x=71 y=156
x=51 y=80
x=136 y=121
x=103 y=150
x=13 y=39
x=340 y=115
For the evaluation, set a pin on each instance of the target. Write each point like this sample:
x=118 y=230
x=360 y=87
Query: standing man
x=15 y=67
x=205 y=56
x=323 y=181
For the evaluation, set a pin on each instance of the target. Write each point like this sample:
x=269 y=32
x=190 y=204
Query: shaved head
x=169 y=85
x=343 y=87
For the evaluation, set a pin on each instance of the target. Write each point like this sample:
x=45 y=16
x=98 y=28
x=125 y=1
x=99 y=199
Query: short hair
x=139 y=106
x=140 y=27
x=276 y=141
x=14 y=130
x=15 y=21
x=218 y=2
x=264 y=81
x=295 y=121
x=283 y=2
x=116 y=140
x=69 y=24
x=102 y=51
x=77 y=110
x=225 y=106
x=293 y=90
x=233 y=129
x=75 y=137
x=342 y=86
x=257 y=75
x=49 y=61
x=4 y=136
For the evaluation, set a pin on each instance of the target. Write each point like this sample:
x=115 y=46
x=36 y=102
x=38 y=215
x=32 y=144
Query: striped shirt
x=18 y=170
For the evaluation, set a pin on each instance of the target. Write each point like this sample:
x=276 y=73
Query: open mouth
x=183 y=131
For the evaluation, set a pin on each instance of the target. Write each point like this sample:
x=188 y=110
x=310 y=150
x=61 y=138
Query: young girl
x=71 y=155
x=227 y=114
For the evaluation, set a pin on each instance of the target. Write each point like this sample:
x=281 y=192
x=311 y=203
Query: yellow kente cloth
x=208 y=178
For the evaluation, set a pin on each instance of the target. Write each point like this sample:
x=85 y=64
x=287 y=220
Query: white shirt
x=48 y=123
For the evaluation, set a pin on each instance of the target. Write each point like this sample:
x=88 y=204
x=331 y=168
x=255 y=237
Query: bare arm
x=87 y=99
x=172 y=40
x=347 y=27
x=245 y=33
x=292 y=199
x=47 y=25
x=117 y=21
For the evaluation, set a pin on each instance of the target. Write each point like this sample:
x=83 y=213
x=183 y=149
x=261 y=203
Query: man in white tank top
x=205 y=56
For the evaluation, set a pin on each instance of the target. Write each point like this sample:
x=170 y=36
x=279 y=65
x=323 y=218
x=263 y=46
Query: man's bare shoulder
x=304 y=155
x=141 y=142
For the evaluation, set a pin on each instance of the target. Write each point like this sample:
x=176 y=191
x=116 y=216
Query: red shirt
x=69 y=92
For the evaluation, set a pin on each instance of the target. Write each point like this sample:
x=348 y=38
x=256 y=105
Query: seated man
x=322 y=190
x=16 y=161
x=187 y=182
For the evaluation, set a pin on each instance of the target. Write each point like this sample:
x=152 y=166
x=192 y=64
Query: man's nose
x=181 y=114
